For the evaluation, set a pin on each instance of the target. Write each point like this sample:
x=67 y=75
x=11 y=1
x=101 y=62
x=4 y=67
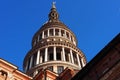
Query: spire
x=53 y=5
x=53 y=15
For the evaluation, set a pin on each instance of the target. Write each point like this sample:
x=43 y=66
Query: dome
x=54 y=47
x=53 y=26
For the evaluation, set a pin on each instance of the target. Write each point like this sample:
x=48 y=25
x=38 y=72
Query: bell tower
x=54 y=47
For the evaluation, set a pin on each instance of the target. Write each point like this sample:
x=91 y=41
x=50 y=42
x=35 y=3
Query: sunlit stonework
x=54 y=47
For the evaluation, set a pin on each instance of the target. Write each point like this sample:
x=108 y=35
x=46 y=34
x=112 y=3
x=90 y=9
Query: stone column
x=38 y=57
x=59 y=32
x=78 y=60
x=31 y=61
x=42 y=34
x=71 y=56
x=54 y=49
x=63 y=53
x=69 y=36
x=46 y=54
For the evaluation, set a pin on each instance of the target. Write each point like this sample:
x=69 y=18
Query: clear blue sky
x=94 y=22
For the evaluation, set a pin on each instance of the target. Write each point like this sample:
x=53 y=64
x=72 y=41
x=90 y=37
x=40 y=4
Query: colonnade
x=55 y=32
x=56 y=54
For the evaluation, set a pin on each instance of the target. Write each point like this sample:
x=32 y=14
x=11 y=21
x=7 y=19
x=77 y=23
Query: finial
x=53 y=4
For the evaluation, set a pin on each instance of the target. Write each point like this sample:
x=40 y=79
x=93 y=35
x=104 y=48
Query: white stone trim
x=71 y=56
x=43 y=35
x=38 y=57
x=46 y=54
x=78 y=60
x=63 y=53
x=54 y=49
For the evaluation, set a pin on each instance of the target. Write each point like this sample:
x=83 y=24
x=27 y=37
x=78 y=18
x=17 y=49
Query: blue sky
x=94 y=22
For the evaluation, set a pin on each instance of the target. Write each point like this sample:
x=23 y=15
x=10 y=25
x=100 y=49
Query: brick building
x=105 y=65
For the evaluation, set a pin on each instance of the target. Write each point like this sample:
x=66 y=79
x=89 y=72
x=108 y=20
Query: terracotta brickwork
x=67 y=74
x=105 y=65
